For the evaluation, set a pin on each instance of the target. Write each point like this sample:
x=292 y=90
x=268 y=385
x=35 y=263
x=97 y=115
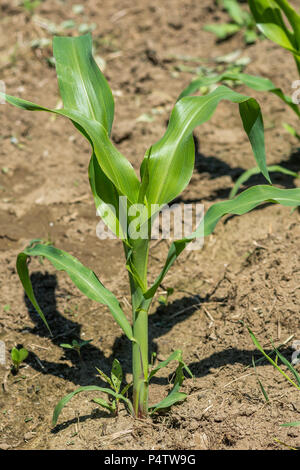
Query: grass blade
x=259 y=382
x=288 y=365
x=255 y=171
x=295 y=423
x=259 y=347
x=89 y=388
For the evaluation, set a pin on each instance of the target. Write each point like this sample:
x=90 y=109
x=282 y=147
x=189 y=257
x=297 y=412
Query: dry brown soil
x=247 y=271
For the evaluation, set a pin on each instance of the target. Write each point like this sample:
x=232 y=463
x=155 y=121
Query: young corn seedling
x=280 y=23
x=119 y=194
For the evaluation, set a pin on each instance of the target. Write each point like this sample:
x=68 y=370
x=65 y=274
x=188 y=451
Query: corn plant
x=272 y=18
x=165 y=171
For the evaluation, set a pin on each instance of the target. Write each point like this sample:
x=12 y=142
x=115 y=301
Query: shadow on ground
x=215 y=168
x=84 y=372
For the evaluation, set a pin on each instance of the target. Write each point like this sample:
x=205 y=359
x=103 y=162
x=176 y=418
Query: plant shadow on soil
x=84 y=372
x=216 y=168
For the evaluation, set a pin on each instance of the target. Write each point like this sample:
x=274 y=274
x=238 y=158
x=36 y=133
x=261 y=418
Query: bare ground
x=247 y=271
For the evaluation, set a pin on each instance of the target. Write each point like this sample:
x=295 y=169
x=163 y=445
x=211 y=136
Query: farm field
x=247 y=273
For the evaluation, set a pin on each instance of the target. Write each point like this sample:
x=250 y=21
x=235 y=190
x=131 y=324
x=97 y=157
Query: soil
x=248 y=270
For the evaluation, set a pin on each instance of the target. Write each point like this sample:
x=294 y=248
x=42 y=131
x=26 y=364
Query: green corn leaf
x=174 y=396
x=25 y=279
x=269 y=19
x=105 y=377
x=106 y=197
x=85 y=279
x=256 y=83
x=89 y=388
x=82 y=85
x=267 y=11
x=175 y=356
x=87 y=91
x=115 y=166
x=116 y=375
x=242 y=204
x=277 y=34
x=255 y=171
x=169 y=167
x=293 y=18
x=104 y=404
x=126 y=388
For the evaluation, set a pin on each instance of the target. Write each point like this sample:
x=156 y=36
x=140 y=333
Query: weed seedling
x=17 y=357
x=76 y=346
x=114 y=381
x=129 y=205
